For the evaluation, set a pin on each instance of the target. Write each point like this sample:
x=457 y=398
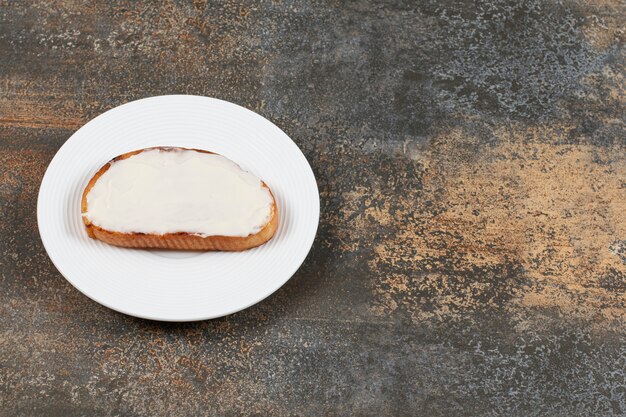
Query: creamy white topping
x=179 y=190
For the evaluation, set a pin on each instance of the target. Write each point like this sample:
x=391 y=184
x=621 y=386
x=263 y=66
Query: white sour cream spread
x=179 y=190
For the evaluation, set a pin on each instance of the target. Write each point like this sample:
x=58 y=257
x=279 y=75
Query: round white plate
x=170 y=285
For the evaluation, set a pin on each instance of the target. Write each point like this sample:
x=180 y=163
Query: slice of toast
x=180 y=240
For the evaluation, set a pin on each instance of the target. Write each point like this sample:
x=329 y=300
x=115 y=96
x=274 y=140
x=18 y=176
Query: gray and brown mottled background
x=471 y=255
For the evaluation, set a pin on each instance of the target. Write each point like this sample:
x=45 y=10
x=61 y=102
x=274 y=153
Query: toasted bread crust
x=175 y=241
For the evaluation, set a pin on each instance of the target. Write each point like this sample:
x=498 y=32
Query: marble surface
x=471 y=255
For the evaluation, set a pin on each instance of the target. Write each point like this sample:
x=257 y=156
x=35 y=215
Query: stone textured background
x=471 y=255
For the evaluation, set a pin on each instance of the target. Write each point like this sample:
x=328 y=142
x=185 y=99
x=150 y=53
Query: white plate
x=169 y=285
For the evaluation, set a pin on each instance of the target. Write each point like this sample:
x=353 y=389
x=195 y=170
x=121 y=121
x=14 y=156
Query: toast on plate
x=178 y=198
